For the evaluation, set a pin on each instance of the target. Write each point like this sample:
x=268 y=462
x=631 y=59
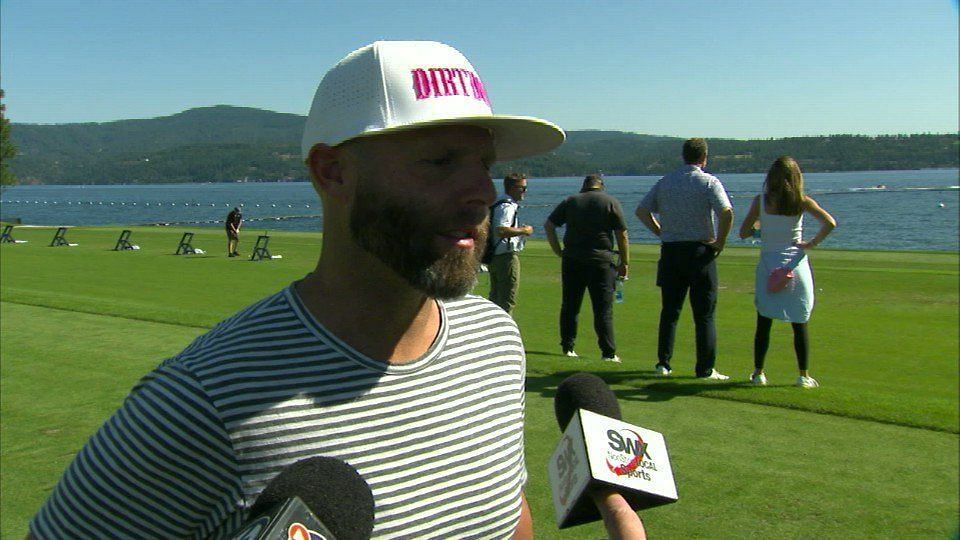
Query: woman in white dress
x=784 y=282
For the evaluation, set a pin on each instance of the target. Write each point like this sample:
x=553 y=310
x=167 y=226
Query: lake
x=911 y=210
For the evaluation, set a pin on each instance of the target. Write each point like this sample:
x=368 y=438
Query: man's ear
x=326 y=171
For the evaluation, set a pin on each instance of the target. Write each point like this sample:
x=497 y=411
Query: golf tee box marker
x=597 y=451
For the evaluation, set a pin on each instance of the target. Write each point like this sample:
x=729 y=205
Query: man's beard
x=401 y=236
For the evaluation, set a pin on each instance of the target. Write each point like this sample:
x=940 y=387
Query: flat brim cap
x=396 y=86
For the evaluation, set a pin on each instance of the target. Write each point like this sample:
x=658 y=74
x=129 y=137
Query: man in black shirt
x=592 y=219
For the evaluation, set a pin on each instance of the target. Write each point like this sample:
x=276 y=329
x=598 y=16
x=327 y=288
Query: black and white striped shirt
x=439 y=440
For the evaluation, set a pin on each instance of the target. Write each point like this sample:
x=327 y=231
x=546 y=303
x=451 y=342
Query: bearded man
x=378 y=357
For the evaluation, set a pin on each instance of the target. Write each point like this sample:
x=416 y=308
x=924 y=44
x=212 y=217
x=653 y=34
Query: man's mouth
x=461 y=238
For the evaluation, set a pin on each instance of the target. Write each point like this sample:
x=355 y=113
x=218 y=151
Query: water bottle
x=618 y=295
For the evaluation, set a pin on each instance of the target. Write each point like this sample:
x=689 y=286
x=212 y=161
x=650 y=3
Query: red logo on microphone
x=299 y=531
x=628 y=455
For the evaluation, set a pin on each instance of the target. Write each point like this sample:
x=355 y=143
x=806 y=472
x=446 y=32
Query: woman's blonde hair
x=783 y=187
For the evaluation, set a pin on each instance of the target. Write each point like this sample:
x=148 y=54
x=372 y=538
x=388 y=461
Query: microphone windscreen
x=584 y=391
x=333 y=490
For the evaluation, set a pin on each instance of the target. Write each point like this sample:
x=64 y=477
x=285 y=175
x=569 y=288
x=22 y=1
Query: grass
x=873 y=452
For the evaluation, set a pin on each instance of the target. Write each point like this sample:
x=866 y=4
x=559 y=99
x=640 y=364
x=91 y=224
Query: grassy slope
x=882 y=460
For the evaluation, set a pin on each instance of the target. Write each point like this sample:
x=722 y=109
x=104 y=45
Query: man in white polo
x=688 y=201
x=508 y=242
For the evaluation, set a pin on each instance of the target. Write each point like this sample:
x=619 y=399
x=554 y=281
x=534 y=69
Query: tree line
x=225 y=144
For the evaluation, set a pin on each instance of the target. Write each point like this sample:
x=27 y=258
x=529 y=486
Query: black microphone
x=599 y=450
x=318 y=498
x=584 y=391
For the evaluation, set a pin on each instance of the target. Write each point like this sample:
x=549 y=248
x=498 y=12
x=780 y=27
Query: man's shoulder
x=678 y=173
x=472 y=309
x=472 y=302
x=505 y=200
x=254 y=326
x=602 y=196
x=705 y=177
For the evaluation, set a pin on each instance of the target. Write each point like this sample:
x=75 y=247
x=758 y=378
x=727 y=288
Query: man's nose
x=480 y=188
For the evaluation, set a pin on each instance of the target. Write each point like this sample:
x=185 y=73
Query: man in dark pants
x=686 y=201
x=592 y=219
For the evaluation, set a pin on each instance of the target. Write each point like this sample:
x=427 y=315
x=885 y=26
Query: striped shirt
x=439 y=440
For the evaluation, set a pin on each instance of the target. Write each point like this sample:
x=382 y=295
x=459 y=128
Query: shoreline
x=207 y=229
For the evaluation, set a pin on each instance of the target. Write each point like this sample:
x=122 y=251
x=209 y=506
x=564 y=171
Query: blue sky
x=715 y=68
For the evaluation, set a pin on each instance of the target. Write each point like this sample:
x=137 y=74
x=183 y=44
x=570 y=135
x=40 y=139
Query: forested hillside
x=224 y=143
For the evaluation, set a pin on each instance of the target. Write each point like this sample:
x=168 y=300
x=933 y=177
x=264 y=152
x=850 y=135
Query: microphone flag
x=598 y=451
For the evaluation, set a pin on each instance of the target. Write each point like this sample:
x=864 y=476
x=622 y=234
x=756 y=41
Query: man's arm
x=551 y=231
x=182 y=476
x=725 y=223
x=508 y=232
x=623 y=244
x=648 y=220
x=504 y=215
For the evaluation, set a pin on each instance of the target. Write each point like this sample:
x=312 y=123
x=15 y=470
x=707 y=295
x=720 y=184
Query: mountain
x=225 y=143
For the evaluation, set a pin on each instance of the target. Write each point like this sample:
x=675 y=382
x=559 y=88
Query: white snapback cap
x=391 y=86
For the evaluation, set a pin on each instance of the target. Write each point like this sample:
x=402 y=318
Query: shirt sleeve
x=559 y=215
x=161 y=467
x=718 y=196
x=503 y=213
x=618 y=223
x=650 y=200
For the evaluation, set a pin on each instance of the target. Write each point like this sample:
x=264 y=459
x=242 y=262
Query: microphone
x=599 y=450
x=584 y=391
x=317 y=498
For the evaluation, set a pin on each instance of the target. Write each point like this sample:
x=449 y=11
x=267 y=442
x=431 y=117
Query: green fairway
x=871 y=453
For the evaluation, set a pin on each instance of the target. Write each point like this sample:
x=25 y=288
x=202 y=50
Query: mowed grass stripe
x=120 y=317
x=656 y=390
x=884 y=346
x=62 y=374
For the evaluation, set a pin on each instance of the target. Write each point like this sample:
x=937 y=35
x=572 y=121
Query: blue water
x=917 y=210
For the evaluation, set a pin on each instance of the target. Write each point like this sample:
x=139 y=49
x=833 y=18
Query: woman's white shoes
x=760 y=379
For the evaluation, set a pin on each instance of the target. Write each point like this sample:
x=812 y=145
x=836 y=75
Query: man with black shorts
x=687 y=201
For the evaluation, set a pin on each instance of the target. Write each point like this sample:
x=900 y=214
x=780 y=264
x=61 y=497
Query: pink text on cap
x=441 y=82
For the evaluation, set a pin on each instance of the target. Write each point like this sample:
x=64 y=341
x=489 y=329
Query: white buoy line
x=139 y=203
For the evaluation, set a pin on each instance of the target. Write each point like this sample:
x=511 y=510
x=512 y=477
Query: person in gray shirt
x=686 y=202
